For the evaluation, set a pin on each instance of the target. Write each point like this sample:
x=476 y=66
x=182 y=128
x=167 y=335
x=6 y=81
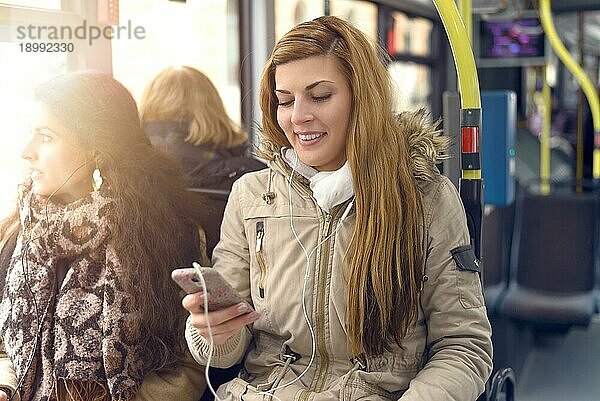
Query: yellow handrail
x=468 y=82
x=467 y=16
x=471 y=184
x=577 y=71
x=545 y=137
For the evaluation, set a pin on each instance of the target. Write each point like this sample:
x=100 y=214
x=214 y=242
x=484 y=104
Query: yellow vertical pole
x=586 y=84
x=580 y=105
x=467 y=17
x=471 y=184
x=466 y=70
x=545 y=138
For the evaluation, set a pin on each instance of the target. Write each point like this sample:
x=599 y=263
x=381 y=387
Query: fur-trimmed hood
x=427 y=146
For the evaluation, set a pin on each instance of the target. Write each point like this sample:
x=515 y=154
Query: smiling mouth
x=310 y=137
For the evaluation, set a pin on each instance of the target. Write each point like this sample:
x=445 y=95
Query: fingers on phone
x=230 y=326
x=194 y=303
x=228 y=320
x=230 y=313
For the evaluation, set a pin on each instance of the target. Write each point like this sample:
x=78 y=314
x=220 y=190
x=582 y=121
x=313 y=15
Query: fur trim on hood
x=427 y=146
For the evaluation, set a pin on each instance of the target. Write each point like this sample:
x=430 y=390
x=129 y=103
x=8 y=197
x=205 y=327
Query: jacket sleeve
x=231 y=258
x=459 y=347
x=186 y=382
x=225 y=355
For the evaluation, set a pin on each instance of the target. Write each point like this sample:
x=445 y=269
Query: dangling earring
x=96 y=178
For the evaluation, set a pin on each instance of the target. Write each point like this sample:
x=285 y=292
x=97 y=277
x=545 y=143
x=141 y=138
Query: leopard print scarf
x=90 y=331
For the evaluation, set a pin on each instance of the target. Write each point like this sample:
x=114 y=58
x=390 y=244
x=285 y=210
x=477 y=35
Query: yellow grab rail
x=577 y=71
x=467 y=17
x=545 y=137
x=468 y=85
x=471 y=184
x=463 y=54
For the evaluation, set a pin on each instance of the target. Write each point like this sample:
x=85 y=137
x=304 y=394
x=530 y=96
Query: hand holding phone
x=220 y=293
x=228 y=313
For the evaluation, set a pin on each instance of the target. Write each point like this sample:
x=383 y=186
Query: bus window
x=414 y=85
x=362 y=14
x=18 y=78
x=290 y=13
x=411 y=36
x=200 y=34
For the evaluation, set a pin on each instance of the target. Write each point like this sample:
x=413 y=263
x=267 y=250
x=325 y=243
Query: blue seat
x=553 y=260
x=496 y=242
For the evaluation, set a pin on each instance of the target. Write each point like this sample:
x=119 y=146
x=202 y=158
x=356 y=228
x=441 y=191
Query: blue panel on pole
x=498 y=129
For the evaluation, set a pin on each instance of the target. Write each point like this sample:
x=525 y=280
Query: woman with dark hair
x=88 y=309
x=351 y=248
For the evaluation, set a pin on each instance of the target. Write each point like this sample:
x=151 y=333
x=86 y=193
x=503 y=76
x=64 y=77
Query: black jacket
x=204 y=166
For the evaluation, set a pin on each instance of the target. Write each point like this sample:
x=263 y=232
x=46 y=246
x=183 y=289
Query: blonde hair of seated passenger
x=385 y=256
x=187 y=95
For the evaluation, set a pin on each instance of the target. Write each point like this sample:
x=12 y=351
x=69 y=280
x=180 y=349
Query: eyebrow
x=41 y=127
x=309 y=87
x=52 y=132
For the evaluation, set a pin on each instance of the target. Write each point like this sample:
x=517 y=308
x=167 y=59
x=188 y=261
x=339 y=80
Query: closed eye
x=285 y=104
x=321 y=98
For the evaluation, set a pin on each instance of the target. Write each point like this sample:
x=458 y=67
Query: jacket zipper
x=320 y=317
x=320 y=310
x=260 y=234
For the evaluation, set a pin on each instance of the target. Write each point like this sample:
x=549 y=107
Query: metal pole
x=471 y=185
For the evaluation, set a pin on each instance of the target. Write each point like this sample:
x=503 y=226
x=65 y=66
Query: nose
x=29 y=153
x=302 y=112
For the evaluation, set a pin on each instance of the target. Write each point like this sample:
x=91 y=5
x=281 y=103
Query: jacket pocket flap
x=276 y=211
x=465 y=259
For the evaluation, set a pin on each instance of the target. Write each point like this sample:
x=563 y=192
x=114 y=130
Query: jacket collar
x=289 y=156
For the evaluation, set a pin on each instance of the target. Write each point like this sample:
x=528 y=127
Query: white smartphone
x=220 y=293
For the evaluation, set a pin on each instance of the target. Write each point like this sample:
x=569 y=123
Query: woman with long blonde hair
x=183 y=114
x=351 y=251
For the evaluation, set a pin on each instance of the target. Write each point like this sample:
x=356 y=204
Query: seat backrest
x=491 y=243
x=216 y=200
x=554 y=242
x=496 y=242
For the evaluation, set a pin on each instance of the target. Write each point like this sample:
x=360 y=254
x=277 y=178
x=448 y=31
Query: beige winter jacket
x=446 y=357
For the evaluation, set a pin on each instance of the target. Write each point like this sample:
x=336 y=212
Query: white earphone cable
x=307 y=255
x=306 y=275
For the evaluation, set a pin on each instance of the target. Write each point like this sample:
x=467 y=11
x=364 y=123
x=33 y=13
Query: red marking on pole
x=470 y=139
